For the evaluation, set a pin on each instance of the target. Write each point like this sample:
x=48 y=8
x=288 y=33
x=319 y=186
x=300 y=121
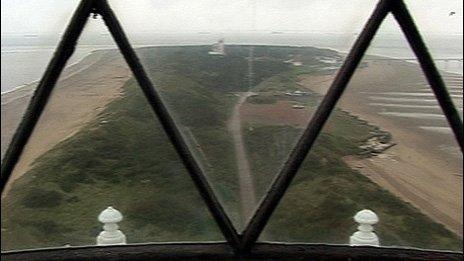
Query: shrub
x=262 y=99
x=41 y=198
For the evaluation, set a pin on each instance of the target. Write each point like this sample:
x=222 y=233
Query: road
x=246 y=187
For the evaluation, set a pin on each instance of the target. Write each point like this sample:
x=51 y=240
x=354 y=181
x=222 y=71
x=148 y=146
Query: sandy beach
x=82 y=92
x=425 y=167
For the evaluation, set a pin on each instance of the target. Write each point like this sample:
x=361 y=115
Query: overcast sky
x=334 y=16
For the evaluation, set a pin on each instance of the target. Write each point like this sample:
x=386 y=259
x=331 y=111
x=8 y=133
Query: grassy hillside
x=128 y=163
x=123 y=159
x=324 y=196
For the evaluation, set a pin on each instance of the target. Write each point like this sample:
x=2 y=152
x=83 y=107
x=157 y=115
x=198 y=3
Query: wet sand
x=80 y=95
x=417 y=169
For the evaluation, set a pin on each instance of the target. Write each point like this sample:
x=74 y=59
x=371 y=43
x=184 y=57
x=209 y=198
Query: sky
x=144 y=16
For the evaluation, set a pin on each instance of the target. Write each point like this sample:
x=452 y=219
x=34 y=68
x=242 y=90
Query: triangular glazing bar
x=281 y=183
x=406 y=22
x=45 y=87
x=39 y=100
x=314 y=127
x=296 y=158
x=175 y=136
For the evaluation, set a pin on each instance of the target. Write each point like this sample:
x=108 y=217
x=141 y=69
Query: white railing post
x=110 y=235
x=365 y=235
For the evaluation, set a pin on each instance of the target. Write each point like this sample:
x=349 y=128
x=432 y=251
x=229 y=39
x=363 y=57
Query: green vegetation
x=40 y=198
x=124 y=159
x=326 y=193
x=128 y=163
x=282 y=82
x=264 y=99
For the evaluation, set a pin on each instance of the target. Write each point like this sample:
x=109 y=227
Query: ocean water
x=415 y=115
x=25 y=64
x=24 y=60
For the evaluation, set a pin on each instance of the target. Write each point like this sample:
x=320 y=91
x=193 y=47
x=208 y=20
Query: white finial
x=110 y=235
x=365 y=235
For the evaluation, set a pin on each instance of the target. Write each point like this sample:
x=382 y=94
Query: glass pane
x=29 y=37
x=228 y=68
x=387 y=148
x=442 y=29
x=96 y=145
x=441 y=26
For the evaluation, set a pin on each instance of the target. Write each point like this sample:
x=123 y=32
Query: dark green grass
x=320 y=204
x=123 y=159
x=263 y=99
x=127 y=163
x=229 y=73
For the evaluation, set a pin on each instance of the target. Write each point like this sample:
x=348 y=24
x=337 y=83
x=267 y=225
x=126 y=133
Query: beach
x=424 y=168
x=81 y=93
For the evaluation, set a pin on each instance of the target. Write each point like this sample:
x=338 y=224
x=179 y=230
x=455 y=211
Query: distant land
x=115 y=152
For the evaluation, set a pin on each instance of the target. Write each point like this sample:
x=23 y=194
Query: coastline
x=380 y=170
x=65 y=70
x=82 y=92
x=107 y=48
x=431 y=180
x=107 y=170
x=21 y=95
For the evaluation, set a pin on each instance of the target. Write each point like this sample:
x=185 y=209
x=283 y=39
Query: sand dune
x=80 y=95
x=425 y=167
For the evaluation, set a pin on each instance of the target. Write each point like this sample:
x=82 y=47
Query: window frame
x=223 y=251
x=244 y=243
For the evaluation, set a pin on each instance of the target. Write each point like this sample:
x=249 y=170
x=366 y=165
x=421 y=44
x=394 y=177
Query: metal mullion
x=244 y=243
x=406 y=22
x=221 y=251
x=172 y=131
x=298 y=154
x=44 y=89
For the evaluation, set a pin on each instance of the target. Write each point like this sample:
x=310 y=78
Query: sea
x=24 y=59
x=26 y=64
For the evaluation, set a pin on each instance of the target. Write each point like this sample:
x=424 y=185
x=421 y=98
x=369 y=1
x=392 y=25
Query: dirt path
x=246 y=187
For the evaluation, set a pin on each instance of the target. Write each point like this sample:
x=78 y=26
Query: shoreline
x=428 y=179
x=67 y=67
x=342 y=52
x=82 y=92
x=421 y=158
